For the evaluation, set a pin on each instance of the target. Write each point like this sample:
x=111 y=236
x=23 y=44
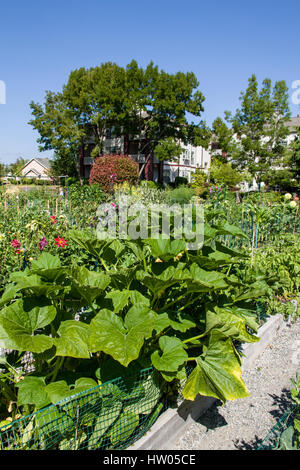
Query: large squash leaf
x=48 y=267
x=108 y=414
x=73 y=340
x=217 y=372
x=19 y=322
x=230 y=324
x=205 y=281
x=32 y=392
x=123 y=427
x=123 y=340
x=173 y=354
x=165 y=249
x=89 y=284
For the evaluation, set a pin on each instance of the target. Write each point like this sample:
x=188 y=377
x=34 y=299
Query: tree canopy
x=147 y=102
x=259 y=127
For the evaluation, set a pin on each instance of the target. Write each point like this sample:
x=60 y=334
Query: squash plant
x=148 y=303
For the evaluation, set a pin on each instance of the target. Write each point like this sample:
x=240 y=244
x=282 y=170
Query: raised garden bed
x=125 y=413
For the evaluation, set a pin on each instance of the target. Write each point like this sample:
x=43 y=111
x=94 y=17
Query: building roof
x=45 y=162
x=293 y=123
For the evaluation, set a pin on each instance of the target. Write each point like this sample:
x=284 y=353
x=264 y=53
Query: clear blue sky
x=222 y=42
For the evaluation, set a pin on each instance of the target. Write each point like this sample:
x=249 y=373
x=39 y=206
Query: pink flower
x=113 y=205
x=15 y=244
x=43 y=243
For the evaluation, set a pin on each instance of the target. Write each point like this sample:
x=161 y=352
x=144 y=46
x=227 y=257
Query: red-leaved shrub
x=109 y=170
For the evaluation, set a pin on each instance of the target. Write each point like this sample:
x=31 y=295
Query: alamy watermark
x=127 y=220
x=2 y=92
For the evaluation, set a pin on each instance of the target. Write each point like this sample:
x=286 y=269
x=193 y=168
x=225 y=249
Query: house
x=137 y=148
x=37 y=168
x=293 y=125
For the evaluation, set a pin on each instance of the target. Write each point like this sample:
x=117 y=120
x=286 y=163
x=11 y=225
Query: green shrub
x=180 y=180
x=181 y=195
x=149 y=184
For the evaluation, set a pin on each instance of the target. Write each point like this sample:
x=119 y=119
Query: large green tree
x=147 y=102
x=259 y=127
x=287 y=174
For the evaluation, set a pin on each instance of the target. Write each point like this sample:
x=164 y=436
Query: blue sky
x=222 y=42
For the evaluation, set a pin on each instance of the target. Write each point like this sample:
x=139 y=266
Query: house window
x=193 y=158
x=186 y=157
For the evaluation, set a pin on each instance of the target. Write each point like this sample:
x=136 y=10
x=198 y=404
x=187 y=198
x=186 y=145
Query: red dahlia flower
x=61 y=242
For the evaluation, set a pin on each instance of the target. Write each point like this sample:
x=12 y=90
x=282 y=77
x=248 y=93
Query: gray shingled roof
x=45 y=162
x=293 y=123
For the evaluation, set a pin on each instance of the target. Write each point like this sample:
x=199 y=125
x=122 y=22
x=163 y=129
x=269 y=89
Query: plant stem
x=194 y=338
x=58 y=364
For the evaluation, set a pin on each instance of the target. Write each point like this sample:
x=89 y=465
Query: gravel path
x=243 y=424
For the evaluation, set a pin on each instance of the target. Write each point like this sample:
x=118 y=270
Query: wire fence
x=275 y=439
x=110 y=416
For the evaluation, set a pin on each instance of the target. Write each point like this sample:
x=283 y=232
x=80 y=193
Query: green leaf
x=173 y=356
x=73 y=340
x=163 y=320
x=58 y=391
x=217 y=372
x=124 y=427
x=165 y=249
x=18 y=323
x=32 y=392
x=47 y=266
x=108 y=414
x=204 y=281
x=249 y=316
x=122 y=340
x=231 y=325
x=233 y=253
x=287 y=438
x=8 y=295
x=168 y=277
x=89 y=242
x=53 y=420
x=46 y=261
x=84 y=383
x=137 y=298
x=180 y=374
x=73 y=443
x=228 y=229
x=89 y=284
x=33 y=283
x=119 y=299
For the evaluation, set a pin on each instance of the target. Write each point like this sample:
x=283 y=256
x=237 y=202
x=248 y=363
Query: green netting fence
x=277 y=437
x=110 y=416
